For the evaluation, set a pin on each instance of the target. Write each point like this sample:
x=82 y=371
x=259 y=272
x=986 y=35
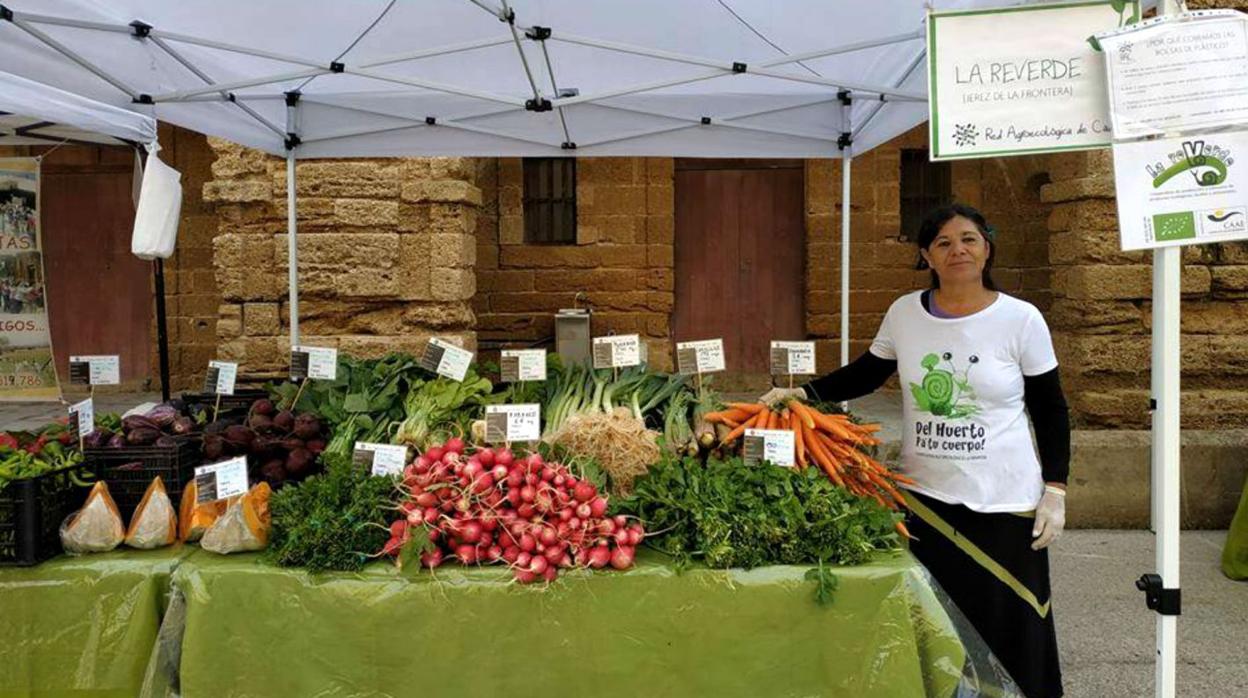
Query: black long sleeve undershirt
x=1042 y=395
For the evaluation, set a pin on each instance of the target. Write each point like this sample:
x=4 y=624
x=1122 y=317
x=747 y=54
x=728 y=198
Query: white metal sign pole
x=292 y=225
x=1166 y=363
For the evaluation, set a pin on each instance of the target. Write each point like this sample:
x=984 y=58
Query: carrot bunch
x=829 y=441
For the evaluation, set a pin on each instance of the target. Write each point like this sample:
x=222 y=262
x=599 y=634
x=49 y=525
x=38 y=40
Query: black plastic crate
x=31 y=513
x=236 y=405
x=174 y=464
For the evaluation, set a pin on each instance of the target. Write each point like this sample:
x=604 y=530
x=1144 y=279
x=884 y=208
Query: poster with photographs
x=27 y=371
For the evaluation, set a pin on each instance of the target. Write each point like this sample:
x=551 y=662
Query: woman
x=984 y=508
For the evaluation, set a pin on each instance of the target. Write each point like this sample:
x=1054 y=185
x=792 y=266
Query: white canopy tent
x=368 y=78
x=32 y=113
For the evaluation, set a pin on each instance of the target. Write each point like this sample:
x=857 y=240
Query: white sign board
x=1017 y=80
x=95 y=370
x=446 y=359
x=1178 y=73
x=518 y=365
x=82 y=414
x=775 y=446
x=221 y=377
x=706 y=356
x=316 y=363
x=1182 y=191
x=380 y=459
x=793 y=358
x=221 y=480
x=508 y=423
x=617 y=351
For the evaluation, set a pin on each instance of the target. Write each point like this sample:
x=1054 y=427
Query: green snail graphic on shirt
x=946 y=393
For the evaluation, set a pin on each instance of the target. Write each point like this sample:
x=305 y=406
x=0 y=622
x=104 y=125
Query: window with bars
x=925 y=185
x=550 y=201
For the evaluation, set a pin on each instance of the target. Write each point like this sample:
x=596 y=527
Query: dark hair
x=937 y=218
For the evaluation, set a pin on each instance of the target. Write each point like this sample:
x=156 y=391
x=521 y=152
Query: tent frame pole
x=847 y=161
x=162 y=327
x=292 y=222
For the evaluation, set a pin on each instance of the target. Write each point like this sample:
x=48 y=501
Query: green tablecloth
x=83 y=625
x=88 y=627
x=252 y=630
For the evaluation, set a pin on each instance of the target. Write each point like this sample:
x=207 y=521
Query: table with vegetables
x=634 y=545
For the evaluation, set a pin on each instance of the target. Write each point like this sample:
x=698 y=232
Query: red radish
x=525 y=576
x=620 y=521
x=538 y=564
x=599 y=557
x=427 y=499
x=598 y=507
x=467 y=554
x=584 y=491
x=543 y=501
x=435 y=453
x=431 y=515
x=565 y=514
x=471 y=532
x=548 y=474
x=584 y=511
x=415 y=518
x=535 y=461
x=504 y=456
x=528 y=493
x=483 y=483
x=531 y=479
x=526 y=510
x=513 y=496
x=493 y=553
x=510 y=554
x=523 y=560
x=435 y=535
x=455 y=444
x=391 y=547
x=622 y=558
x=560 y=481
x=527 y=543
x=499 y=472
x=473 y=468
x=431 y=559
x=551 y=574
x=406 y=507
x=515 y=478
x=488 y=522
x=423 y=462
x=565 y=561
x=554 y=554
x=574 y=523
x=634 y=536
x=548 y=536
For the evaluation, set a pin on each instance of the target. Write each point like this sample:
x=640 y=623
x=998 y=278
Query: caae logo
x=1224 y=221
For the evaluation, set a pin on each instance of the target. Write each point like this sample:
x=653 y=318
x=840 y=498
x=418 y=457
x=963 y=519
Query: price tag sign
x=317 y=363
x=221 y=480
x=380 y=459
x=793 y=358
x=221 y=377
x=706 y=356
x=446 y=359
x=509 y=423
x=94 y=370
x=82 y=418
x=775 y=446
x=523 y=365
x=617 y=351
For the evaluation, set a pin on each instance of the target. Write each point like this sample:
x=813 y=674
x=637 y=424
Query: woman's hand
x=775 y=395
x=1050 y=517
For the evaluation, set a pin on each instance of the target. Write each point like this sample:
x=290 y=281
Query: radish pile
x=490 y=505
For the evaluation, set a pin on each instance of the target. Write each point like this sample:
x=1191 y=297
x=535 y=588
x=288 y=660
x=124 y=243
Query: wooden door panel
x=99 y=294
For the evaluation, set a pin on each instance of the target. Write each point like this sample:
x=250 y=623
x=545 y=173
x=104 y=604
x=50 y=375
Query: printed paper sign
x=1016 y=80
x=510 y=423
x=617 y=351
x=519 y=365
x=775 y=446
x=446 y=359
x=1178 y=73
x=380 y=459
x=221 y=480
x=317 y=363
x=706 y=356
x=82 y=417
x=793 y=358
x=1182 y=191
x=221 y=377
x=94 y=370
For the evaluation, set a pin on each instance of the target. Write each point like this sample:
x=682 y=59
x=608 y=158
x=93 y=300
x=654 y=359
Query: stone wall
x=622 y=259
x=386 y=255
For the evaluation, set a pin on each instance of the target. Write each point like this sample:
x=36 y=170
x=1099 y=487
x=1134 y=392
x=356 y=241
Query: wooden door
x=100 y=298
x=740 y=238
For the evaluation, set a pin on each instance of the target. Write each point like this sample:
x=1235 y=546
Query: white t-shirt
x=965 y=434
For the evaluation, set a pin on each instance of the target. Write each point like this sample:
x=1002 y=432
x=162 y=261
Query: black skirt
x=986 y=565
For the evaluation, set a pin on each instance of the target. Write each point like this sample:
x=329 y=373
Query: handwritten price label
x=775 y=446
x=705 y=356
x=793 y=358
x=617 y=351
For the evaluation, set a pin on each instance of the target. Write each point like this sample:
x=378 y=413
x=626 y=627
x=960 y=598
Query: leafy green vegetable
x=435 y=405
x=825 y=583
x=729 y=514
x=333 y=521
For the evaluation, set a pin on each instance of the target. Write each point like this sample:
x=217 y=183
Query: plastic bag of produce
x=244 y=525
x=194 y=519
x=154 y=524
x=160 y=205
x=96 y=527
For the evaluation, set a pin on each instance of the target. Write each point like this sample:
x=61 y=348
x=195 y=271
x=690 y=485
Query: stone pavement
x=31 y=415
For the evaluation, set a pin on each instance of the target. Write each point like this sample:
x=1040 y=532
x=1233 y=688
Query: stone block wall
x=621 y=264
x=1101 y=314
x=386 y=255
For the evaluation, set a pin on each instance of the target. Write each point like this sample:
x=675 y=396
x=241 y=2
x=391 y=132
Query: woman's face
x=959 y=252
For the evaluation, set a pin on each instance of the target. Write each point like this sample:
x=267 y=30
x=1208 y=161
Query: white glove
x=775 y=395
x=1050 y=518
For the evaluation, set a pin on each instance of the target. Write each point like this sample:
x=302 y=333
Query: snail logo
x=943 y=391
x=1207 y=170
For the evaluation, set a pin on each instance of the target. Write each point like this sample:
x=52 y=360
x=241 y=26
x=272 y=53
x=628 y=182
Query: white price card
x=775 y=446
x=617 y=351
x=380 y=459
x=705 y=356
x=517 y=365
x=446 y=359
x=221 y=377
x=94 y=370
x=508 y=423
x=793 y=358
x=221 y=480
x=82 y=417
x=317 y=363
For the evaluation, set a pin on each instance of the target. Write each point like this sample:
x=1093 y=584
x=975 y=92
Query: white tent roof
x=712 y=78
x=32 y=113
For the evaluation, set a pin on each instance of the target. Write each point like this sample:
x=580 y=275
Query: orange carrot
x=803 y=412
x=739 y=430
x=748 y=407
x=905 y=532
x=799 y=446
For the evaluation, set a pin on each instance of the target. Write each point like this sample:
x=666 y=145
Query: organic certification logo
x=1174 y=226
